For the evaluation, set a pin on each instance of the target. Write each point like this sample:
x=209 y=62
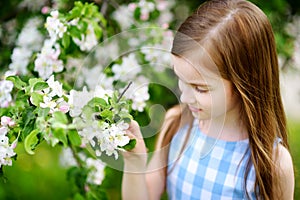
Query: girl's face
x=207 y=95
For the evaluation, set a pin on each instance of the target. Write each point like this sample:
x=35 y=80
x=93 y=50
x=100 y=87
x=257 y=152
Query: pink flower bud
x=45 y=10
x=14 y=144
x=5 y=121
x=165 y=25
x=86 y=188
x=132 y=6
x=83 y=145
x=64 y=108
x=11 y=124
x=144 y=16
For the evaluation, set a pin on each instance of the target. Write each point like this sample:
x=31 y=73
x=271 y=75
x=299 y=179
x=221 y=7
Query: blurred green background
x=41 y=177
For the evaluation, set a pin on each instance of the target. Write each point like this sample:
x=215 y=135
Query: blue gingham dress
x=208 y=168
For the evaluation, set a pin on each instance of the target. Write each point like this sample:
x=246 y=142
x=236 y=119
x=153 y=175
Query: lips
x=194 y=109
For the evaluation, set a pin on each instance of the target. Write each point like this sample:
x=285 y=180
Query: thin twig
x=122 y=94
x=77 y=159
x=104 y=8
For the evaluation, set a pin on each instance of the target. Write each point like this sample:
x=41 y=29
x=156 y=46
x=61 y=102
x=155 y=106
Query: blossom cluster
x=25 y=46
x=95 y=167
x=6 y=149
x=5 y=93
x=104 y=137
x=103 y=128
x=53 y=97
x=131 y=14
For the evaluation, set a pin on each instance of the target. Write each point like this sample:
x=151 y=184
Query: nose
x=187 y=94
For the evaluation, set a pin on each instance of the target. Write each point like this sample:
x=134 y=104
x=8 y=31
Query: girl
x=228 y=139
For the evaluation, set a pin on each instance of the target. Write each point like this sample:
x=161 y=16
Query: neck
x=229 y=127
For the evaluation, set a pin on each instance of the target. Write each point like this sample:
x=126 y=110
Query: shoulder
x=285 y=170
x=284 y=160
x=175 y=111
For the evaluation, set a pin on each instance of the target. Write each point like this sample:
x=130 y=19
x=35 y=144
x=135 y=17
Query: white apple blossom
x=54 y=26
x=48 y=103
x=88 y=40
x=7 y=121
x=124 y=16
x=112 y=138
x=20 y=59
x=3 y=130
x=105 y=51
x=95 y=166
x=49 y=97
x=25 y=46
x=55 y=86
x=47 y=61
x=6 y=153
x=96 y=173
x=146 y=8
x=10 y=73
x=104 y=137
x=158 y=56
x=6 y=150
x=66 y=158
x=5 y=90
x=35 y=41
x=102 y=92
x=128 y=69
x=95 y=77
x=78 y=99
x=89 y=132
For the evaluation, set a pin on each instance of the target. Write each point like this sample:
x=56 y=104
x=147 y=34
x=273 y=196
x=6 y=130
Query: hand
x=137 y=155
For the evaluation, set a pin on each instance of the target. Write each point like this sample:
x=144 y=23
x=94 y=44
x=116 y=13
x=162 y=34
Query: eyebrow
x=193 y=83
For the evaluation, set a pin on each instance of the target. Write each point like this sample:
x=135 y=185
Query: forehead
x=192 y=72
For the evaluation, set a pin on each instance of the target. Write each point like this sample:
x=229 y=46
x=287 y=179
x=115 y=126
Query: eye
x=200 y=90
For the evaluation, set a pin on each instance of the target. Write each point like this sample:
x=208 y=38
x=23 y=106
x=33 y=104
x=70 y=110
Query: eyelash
x=200 y=90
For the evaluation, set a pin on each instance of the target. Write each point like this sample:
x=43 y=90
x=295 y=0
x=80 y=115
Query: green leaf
x=60 y=117
x=102 y=19
x=36 y=99
x=31 y=141
x=75 y=32
x=33 y=81
x=74 y=138
x=40 y=86
x=127 y=120
x=66 y=41
x=61 y=135
x=106 y=114
x=130 y=145
x=78 y=196
x=43 y=112
x=97 y=101
x=18 y=83
x=98 y=31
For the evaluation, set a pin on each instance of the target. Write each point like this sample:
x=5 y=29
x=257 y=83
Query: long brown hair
x=239 y=38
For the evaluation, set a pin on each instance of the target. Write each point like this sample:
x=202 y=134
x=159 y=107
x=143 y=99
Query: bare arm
x=141 y=181
x=286 y=173
x=134 y=180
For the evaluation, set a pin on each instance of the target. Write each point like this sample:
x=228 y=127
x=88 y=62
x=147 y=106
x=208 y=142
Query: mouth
x=194 y=109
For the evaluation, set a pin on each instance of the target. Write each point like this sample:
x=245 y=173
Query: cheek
x=205 y=100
